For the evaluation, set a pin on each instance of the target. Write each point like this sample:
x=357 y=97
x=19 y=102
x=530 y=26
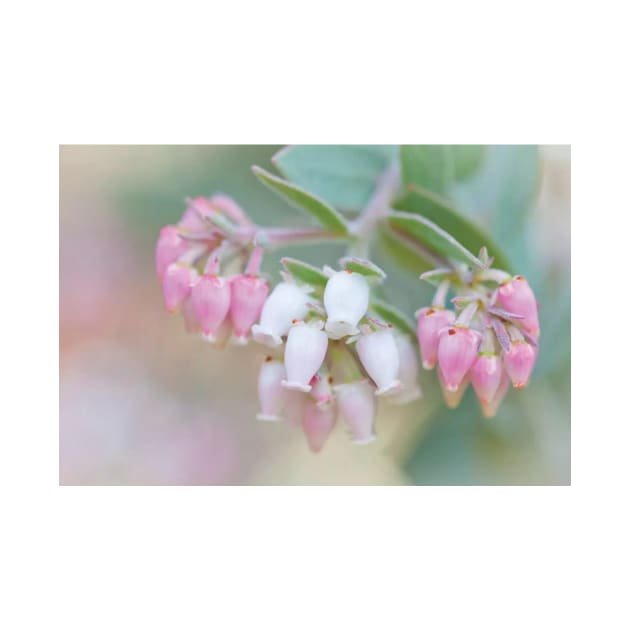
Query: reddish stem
x=255 y=260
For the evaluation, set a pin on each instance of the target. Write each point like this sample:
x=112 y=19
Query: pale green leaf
x=402 y=251
x=428 y=165
x=344 y=175
x=423 y=202
x=300 y=198
x=430 y=235
x=304 y=272
x=364 y=267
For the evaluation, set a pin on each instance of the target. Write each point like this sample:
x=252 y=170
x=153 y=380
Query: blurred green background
x=142 y=402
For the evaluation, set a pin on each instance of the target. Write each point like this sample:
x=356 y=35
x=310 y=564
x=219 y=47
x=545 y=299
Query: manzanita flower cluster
x=328 y=354
x=331 y=349
x=488 y=340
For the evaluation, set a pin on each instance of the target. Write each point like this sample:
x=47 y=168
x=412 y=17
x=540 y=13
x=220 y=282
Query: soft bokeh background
x=142 y=402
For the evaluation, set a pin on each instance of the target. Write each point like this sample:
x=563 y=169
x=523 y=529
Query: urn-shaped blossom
x=210 y=298
x=452 y=397
x=191 y=323
x=286 y=303
x=248 y=294
x=457 y=351
x=177 y=284
x=169 y=247
x=357 y=405
x=430 y=322
x=408 y=373
x=317 y=423
x=519 y=363
x=485 y=376
x=490 y=408
x=270 y=390
x=516 y=296
x=379 y=355
x=346 y=299
x=303 y=355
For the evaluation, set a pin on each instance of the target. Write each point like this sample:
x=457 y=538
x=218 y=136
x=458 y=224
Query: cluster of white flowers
x=331 y=357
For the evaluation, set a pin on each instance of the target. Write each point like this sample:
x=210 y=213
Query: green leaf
x=401 y=252
x=441 y=212
x=432 y=236
x=392 y=316
x=437 y=276
x=299 y=198
x=501 y=195
x=304 y=272
x=467 y=159
x=343 y=175
x=436 y=166
x=428 y=165
x=364 y=267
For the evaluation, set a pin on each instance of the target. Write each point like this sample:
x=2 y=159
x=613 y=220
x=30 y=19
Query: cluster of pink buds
x=488 y=340
x=327 y=352
x=212 y=233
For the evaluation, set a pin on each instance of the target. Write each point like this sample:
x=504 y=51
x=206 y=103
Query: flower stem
x=378 y=205
x=439 y=299
x=277 y=236
x=465 y=317
x=255 y=260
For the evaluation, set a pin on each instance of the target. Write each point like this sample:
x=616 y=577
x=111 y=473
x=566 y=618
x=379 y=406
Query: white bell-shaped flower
x=379 y=355
x=357 y=405
x=346 y=299
x=303 y=355
x=287 y=302
x=408 y=375
x=270 y=390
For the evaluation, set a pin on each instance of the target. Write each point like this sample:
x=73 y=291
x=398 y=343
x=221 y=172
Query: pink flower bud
x=221 y=336
x=190 y=319
x=516 y=296
x=321 y=390
x=457 y=351
x=303 y=356
x=485 y=376
x=210 y=297
x=430 y=322
x=379 y=355
x=519 y=363
x=248 y=296
x=270 y=391
x=452 y=398
x=286 y=303
x=346 y=299
x=317 y=423
x=408 y=373
x=176 y=285
x=192 y=219
x=357 y=405
x=229 y=207
x=489 y=409
x=169 y=247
